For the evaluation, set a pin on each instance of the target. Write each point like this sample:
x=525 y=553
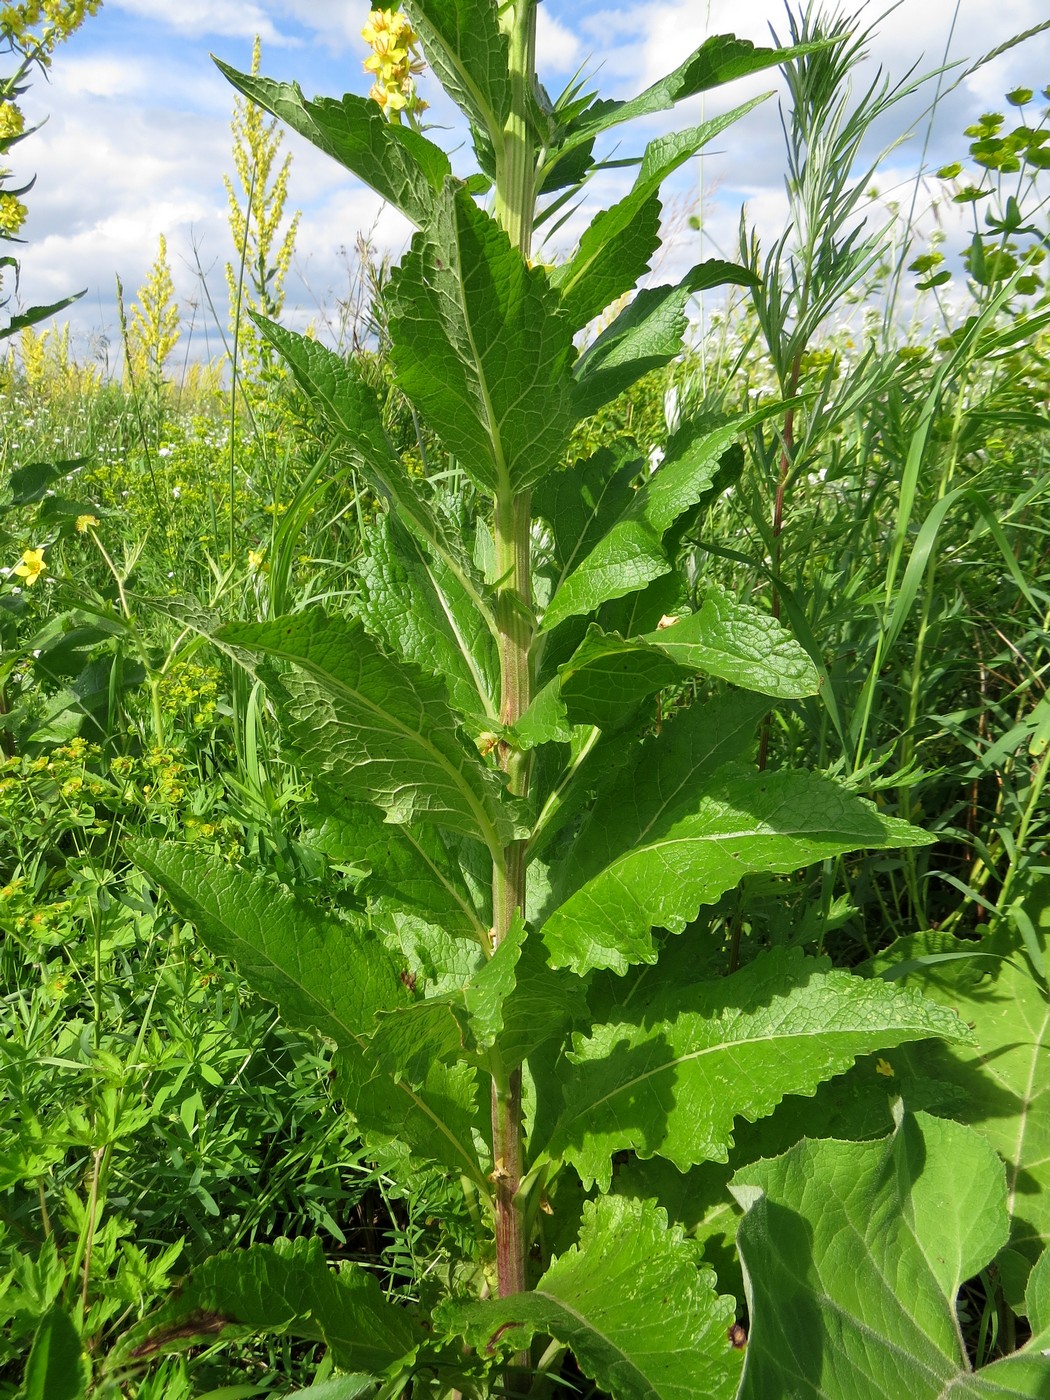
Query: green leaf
x=630 y=553
x=32 y=482
x=540 y=1005
x=56 y=1368
x=646 y=335
x=642 y=1321
x=397 y=867
x=581 y=503
x=1004 y=1082
x=324 y=976
x=663 y=778
x=419 y=609
x=352 y=410
x=607 y=678
x=481 y=346
x=853 y=1256
x=615 y=249
x=377 y=730
x=402 y=166
x=287 y=1287
x=669 y=1075
x=719 y=60
x=492 y=985
x=468 y=54
x=739 y=644
x=663 y=858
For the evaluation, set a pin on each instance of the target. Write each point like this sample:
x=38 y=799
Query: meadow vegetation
x=313 y=1087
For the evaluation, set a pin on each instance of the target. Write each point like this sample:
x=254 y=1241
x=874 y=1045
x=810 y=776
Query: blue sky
x=137 y=133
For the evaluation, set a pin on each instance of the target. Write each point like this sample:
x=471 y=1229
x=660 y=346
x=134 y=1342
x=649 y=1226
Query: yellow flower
x=884 y=1067
x=31 y=567
x=12 y=214
x=12 y=122
x=86 y=522
x=257 y=561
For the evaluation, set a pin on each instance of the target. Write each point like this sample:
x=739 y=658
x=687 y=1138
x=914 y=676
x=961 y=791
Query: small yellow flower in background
x=85 y=523
x=12 y=122
x=257 y=560
x=12 y=214
x=884 y=1067
x=395 y=59
x=31 y=567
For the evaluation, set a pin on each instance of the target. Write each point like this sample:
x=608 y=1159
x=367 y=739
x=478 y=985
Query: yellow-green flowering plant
x=30 y=31
x=521 y=985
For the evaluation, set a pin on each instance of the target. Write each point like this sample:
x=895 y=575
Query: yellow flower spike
x=85 y=523
x=31 y=567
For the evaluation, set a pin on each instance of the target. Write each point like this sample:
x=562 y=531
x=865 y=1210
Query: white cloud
x=138 y=135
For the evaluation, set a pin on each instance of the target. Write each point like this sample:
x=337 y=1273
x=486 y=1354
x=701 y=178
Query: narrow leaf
x=481 y=346
x=630 y=553
x=642 y=1321
x=664 y=862
x=419 y=609
x=328 y=977
x=739 y=644
x=396 y=866
x=721 y=59
x=668 y=1078
x=352 y=410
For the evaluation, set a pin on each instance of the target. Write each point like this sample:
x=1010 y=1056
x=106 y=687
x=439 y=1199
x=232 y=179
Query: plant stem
x=515 y=211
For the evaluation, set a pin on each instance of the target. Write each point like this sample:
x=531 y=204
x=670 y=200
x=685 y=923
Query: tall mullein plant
x=503 y=985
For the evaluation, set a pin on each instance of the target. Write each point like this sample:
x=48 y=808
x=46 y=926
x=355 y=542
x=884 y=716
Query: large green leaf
x=468 y=54
x=615 y=249
x=607 y=676
x=642 y=1321
x=287 y=1287
x=629 y=553
x=660 y=855
x=396 y=867
x=669 y=1075
x=399 y=164
x=324 y=976
x=374 y=729
x=419 y=609
x=692 y=744
x=854 y=1254
x=56 y=1368
x=739 y=644
x=1004 y=1081
x=581 y=503
x=481 y=346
